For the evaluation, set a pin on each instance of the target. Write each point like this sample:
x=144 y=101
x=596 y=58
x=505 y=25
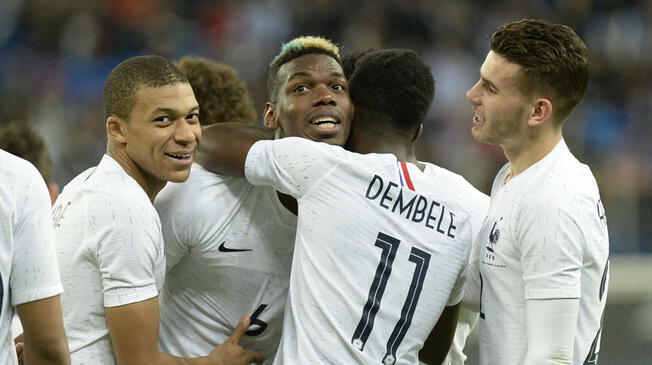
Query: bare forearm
x=54 y=352
x=224 y=147
x=44 y=339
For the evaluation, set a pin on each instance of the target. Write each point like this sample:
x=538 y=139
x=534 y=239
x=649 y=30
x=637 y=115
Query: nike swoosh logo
x=223 y=248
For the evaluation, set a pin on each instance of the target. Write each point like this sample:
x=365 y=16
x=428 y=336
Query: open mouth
x=478 y=120
x=325 y=123
x=183 y=158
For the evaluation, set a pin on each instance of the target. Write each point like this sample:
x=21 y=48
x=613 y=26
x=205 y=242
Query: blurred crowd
x=55 y=56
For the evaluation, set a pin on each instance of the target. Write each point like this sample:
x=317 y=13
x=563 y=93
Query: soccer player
x=382 y=238
x=543 y=250
x=229 y=243
x=29 y=275
x=108 y=234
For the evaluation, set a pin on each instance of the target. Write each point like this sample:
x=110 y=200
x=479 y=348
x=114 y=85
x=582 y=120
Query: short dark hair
x=221 y=94
x=295 y=48
x=394 y=87
x=553 y=57
x=20 y=139
x=349 y=60
x=125 y=79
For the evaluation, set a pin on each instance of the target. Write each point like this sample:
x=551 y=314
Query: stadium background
x=55 y=56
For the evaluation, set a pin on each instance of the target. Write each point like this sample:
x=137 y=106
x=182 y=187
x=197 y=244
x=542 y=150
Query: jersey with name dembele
x=380 y=250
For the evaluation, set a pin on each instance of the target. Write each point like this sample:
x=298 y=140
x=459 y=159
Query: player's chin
x=479 y=134
x=335 y=139
x=178 y=175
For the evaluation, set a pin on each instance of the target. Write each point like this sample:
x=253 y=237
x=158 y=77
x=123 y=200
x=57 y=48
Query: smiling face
x=500 y=107
x=312 y=100
x=162 y=132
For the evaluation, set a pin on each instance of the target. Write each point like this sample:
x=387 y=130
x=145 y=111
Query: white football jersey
x=28 y=265
x=110 y=249
x=229 y=250
x=545 y=237
x=380 y=251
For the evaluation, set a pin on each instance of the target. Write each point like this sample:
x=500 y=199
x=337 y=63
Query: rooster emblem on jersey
x=494 y=235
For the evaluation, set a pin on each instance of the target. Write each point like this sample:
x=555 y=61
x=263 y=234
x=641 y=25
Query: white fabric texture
x=110 y=249
x=229 y=249
x=545 y=237
x=375 y=262
x=28 y=265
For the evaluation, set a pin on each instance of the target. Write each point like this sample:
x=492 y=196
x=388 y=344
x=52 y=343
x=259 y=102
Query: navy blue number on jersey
x=421 y=259
x=255 y=321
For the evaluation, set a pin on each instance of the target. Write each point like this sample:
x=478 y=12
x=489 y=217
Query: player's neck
x=150 y=185
x=528 y=151
x=380 y=144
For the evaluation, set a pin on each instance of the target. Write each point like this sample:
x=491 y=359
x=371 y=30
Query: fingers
x=255 y=357
x=240 y=330
x=19 y=352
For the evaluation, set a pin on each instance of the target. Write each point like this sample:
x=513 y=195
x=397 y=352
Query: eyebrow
x=486 y=81
x=300 y=74
x=173 y=111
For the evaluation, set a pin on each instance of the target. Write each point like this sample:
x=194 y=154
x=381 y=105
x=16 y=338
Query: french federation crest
x=494 y=235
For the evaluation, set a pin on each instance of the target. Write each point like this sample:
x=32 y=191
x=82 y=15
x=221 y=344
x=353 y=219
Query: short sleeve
x=128 y=253
x=34 y=273
x=550 y=234
x=291 y=165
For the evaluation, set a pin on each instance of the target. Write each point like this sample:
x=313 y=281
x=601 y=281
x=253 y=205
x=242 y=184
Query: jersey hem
x=36 y=294
x=124 y=296
x=568 y=293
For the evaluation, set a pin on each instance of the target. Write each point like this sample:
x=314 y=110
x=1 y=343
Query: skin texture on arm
x=551 y=326
x=441 y=337
x=44 y=337
x=225 y=146
x=134 y=334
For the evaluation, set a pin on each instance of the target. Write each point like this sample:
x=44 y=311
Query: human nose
x=472 y=94
x=324 y=97
x=187 y=133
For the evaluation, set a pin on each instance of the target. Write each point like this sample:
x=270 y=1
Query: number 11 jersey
x=380 y=250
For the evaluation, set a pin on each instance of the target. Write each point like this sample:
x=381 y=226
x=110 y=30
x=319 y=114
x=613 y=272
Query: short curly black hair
x=349 y=60
x=219 y=90
x=392 y=86
x=295 y=48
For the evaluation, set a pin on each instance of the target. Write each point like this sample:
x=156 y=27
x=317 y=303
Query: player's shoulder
x=304 y=147
x=107 y=184
x=455 y=184
x=11 y=165
x=566 y=177
x=200 y=184
x=19 y=182
x=203 y=194
x=568 y=186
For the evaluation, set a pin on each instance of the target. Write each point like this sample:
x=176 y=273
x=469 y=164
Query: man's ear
x=418 y=133
x=269 y=116
x=541 y=112
x=116 y=128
